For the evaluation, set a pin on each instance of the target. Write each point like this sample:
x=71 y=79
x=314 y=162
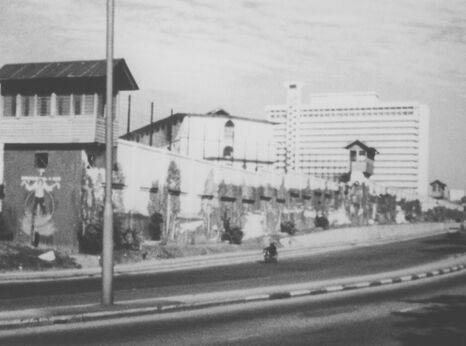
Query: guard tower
x=58 y=102
x=361 y=159
x=52 y=127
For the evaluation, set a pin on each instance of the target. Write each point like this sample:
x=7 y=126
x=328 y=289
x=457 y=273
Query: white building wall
x=204 y=137
x=398 y=130
x=424 y=126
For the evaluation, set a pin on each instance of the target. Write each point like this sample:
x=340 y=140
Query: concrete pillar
x=96 y=102
x=53 y=104
x=2 y=146
x=35 y=112
x=1 y=102
x=18 y=105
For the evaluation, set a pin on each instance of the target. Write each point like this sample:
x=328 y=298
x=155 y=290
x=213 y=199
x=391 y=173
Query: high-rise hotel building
x=311 y=137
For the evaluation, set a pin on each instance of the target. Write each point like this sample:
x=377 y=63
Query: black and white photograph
x=233 y=172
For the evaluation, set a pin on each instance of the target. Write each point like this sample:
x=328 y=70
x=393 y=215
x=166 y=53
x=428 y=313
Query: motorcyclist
x=271 y=250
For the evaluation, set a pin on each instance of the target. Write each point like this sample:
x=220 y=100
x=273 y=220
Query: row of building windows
x=308 y=115
x=44 y=105
x=347 y=109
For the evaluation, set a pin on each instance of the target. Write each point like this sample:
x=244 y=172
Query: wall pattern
x=173 y=198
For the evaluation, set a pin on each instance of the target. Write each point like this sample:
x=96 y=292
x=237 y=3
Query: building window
x=41 y=160
x=100 y=105
x=9 y=106
x=228 y=152
x=63 y=104
x=77 y=104
x=229 y=132
x=353 y=155
x=88 y=104
x=43 y=105
x=27 y=105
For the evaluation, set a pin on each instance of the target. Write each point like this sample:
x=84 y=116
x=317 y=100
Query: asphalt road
x=357 y=261
x=427 y=312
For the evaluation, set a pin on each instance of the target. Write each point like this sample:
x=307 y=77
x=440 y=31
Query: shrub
x=288 y=227
x=156 y=226
x=5 y=231
x=233 y=235
x=91 y=240
x=128 y=238
x=123 y=238
x=441 y=214
x=321 y=221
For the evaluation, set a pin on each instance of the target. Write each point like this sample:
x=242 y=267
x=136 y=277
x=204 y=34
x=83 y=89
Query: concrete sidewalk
x=125 y=309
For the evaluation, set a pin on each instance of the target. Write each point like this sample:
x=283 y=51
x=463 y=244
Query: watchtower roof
x=80 y=69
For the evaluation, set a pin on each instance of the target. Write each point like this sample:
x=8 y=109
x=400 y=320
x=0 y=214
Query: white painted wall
x=143 y=165
x=203 y=136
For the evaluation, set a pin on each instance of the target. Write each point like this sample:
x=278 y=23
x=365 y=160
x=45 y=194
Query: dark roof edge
x=126 y=71
x=182 y=115
x=362 y=145
x=439 y=182
x=117 y=63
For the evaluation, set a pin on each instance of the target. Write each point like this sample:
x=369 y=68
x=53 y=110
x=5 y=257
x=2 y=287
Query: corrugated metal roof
x=64 y=69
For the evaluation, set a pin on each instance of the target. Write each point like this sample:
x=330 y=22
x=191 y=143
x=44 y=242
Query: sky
x=198 y=55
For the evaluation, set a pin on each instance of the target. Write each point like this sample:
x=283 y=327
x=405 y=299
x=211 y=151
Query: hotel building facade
x=311 y=137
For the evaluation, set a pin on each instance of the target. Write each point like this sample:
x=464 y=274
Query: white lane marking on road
x=300 y=293
x=258 y=297
x=169 y=307
x=386 y=281
x=403 y=311
x=360 y=284
x=334 y=288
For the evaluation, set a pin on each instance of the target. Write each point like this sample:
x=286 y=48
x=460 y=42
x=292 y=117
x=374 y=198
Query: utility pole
x=151 y=134
x=151 y=112
x=107 y=241
x=129 y=114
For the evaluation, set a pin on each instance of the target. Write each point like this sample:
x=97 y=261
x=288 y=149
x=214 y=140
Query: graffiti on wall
x=39 y=205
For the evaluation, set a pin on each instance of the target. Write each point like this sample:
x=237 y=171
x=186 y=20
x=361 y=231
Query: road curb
x=185 y=306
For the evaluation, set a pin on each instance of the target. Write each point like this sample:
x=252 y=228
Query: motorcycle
x=270 y=255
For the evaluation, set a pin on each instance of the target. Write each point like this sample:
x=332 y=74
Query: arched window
x=229 y=132
x=228 y=152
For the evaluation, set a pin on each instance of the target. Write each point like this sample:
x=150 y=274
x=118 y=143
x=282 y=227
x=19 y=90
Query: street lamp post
x=107 y=241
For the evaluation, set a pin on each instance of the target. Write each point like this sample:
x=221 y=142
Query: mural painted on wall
x=39 y=205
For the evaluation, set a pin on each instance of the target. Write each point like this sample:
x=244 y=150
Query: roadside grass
x=157 y=250
x=18 y=257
